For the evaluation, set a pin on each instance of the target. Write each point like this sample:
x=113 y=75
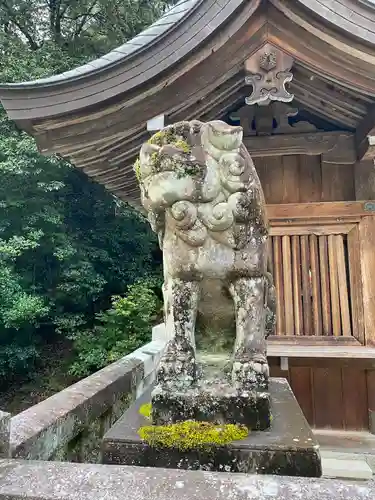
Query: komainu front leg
x=250 y=367
x=178 y=365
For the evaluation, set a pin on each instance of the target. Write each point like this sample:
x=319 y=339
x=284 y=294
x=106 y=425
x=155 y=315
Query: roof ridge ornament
x=268 y=71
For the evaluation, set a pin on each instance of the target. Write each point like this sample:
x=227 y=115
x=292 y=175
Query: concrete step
x=343 y=468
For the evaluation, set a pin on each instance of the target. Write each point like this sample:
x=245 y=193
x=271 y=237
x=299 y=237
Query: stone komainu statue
x=205 y=201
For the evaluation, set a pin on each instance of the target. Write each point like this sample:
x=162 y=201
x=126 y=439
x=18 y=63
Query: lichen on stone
x=137 y=169
x=156 y=159
x=189 y=169
x=145 y=410
x=183 y=145
x=192 y=435
x=181 y=166
x=169 y=136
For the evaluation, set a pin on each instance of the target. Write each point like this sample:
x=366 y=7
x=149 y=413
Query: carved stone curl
x=205 y=201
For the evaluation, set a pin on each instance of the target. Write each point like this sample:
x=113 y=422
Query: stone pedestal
x=219 y=402
x=288 y=447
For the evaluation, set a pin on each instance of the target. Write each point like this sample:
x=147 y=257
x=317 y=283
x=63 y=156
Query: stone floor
x=347 y=455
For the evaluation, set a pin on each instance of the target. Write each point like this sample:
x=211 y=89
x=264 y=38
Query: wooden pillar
x=367 y=243
x=364 y=176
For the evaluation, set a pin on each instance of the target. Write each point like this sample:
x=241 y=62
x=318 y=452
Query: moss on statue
x=181 y=166
x=137 y=169
x=192 y=435
x=145 y=410
x=173 y=135
x=183 y=145
x=180 y=163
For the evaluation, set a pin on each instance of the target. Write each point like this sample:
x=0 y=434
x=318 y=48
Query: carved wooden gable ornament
x=268 y=71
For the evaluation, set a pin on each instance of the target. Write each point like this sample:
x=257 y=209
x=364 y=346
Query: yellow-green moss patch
x=166 y=136
x=137 y=169
x=191 y=435
x=183 y=145
x=170 y=136
x=145 y=410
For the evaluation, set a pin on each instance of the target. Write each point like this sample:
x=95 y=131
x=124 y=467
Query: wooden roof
x=190 y=64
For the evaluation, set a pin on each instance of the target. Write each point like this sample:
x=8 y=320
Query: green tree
x=124 y=327
x=66 y=245
x=44 y=37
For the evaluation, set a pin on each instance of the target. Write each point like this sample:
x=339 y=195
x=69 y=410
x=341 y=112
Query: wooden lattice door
x=317 y=279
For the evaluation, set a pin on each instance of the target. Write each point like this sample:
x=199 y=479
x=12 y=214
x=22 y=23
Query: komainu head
x=198 y=163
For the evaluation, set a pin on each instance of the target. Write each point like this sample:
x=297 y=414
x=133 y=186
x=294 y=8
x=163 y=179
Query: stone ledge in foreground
x=67 y=481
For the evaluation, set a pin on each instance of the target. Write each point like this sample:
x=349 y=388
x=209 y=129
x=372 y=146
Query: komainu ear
x=223 y=136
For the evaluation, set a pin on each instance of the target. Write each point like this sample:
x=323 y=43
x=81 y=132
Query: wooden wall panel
x=354 y=398
x=303 y=178
x=301 y=382
x=290 y=177
x=337 y=182
x=332 y=395
x=271 y=175
x=364 y=174
x=310 y=178
x=327 y=393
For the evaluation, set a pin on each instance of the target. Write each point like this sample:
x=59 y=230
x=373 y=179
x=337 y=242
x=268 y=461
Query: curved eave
x=133 y=48
x=137 y=64
x=353 y=18
x=98 y=118
x=84 y=87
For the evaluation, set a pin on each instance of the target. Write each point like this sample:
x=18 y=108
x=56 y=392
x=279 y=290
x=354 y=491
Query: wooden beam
x=317 y=230
x=328 y=340
x=319 y=350
x=335 y=147
x=339 y=210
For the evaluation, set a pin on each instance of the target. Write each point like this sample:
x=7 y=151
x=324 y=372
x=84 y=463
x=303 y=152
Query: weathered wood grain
x=334 y=285
x=367 y=239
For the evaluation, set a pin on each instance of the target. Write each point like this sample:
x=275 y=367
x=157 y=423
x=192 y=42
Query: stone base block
x=288 y=447
x=218 y=403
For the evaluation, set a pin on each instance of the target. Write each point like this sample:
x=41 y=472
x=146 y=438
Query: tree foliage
x=119 y=330
x=55 y=35
x=66 y=245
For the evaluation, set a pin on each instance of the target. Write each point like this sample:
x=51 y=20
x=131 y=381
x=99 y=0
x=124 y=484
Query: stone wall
x=69 y=425
x=67 y=481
